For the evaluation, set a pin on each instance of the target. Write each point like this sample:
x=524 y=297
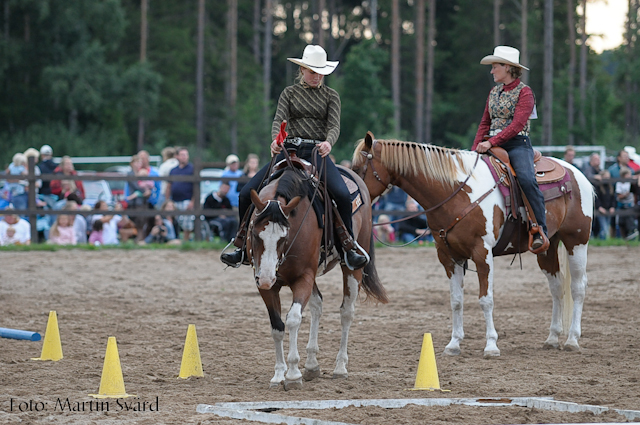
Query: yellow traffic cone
x=427 y=376
x=111 y=383
x=191 y=363
x=51 y=347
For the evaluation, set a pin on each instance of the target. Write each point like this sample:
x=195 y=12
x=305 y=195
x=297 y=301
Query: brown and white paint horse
x=283 y=245
x=431 y=175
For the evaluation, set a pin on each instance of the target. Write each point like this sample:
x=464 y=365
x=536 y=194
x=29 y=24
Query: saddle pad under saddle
x=552 y=178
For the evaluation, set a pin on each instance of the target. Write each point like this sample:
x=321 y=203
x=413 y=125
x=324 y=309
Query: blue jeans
x=521 y=158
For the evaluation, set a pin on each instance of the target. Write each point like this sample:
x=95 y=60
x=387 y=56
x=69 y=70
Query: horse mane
x=412 y=159
x=291 y=183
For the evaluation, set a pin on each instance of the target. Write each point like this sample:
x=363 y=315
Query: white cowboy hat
x=315 y=58
x=504 y=54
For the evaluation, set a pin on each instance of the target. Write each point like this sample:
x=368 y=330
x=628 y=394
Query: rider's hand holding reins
x=483 y=146
x=324 y=148
x=276 y=148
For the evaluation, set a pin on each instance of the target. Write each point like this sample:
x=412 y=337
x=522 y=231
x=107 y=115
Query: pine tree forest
x=111 y=77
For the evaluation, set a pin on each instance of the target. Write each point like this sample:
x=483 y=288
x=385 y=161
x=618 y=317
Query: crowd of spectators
x=616 y=203
x=115 y=223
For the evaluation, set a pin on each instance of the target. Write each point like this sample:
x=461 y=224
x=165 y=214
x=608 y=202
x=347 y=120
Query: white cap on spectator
x=232 y=158
x=46 y=150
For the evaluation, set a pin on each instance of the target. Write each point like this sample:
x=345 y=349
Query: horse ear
x=368 y=139
x=257 y=201
x=291 y=205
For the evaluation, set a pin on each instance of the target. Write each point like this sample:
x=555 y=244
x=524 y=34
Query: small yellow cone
x=427 y=376
x=191 y=363
x=51 y=347
x=111 y=383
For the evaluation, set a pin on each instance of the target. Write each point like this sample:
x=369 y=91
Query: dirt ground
x=147 y=299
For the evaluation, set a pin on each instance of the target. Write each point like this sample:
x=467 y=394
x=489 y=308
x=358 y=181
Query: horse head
x=269 y=231
x=367 y=164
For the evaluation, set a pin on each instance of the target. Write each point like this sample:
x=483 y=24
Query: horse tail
x=370 y=280
x=567 y=300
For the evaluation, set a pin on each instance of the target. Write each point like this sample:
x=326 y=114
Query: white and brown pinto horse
x=283 y=244
x=447 y=182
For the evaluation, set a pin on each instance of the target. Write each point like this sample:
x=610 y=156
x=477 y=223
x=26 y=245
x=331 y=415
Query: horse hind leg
x=550 y=266
x=578 y=267
x=351 y=282
x=311 y=366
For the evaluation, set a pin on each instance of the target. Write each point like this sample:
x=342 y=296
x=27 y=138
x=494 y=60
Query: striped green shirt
x=311 y=113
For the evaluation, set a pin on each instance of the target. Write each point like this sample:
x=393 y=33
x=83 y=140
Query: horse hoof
x=491 y=354
x=550 y=346
x=340 y=375
x=293 y=385
x=310 y=375
x=452 y=352
x=574 y=348
x=273 y=385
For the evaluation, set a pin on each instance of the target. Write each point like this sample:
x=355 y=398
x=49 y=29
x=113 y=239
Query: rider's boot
x=355 y=257
x=237 y=257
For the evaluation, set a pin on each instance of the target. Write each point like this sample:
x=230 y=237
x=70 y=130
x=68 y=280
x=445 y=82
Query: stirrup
x=359 y=251
x=538 y=241
x=226 y=257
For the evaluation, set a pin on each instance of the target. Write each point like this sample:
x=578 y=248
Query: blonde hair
x=54 y=227
x=19 y=159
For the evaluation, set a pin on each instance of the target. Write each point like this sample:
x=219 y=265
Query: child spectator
x=15 y=188
x=383 y=230
x=626 y=201
x=62 y=232
x=95 y=238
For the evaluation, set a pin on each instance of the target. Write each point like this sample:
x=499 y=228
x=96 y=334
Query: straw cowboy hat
x=504 y=54
x=315 y=58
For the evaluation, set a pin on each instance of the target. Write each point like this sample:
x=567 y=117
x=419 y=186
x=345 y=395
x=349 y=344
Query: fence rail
x=198 y=212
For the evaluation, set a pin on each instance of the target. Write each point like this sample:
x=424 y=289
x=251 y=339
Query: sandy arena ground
x=146 y=299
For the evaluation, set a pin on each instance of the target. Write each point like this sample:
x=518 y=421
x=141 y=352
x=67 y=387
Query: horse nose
x=264 y=283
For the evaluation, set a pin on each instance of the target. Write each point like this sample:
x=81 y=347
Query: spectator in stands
x=62 y=232
x=151 y=171
x=47 y=166
x=168 y=207
x=622 y=160
x=251 y=165
x=32 y=152
x=233 y=170
x=226 y=224
x=14 y=230
x=414 y=228
x=592 y=170
x=137 y=194
x=66 y=168
x=394 y=200
x=384 y=231
x=15 y=188
x=96 y=236
x=569 y=154
x=605 y=204
x=181 y=193
x=626 y=201
x=169 y=162
x=110 y=223
x=161 y=232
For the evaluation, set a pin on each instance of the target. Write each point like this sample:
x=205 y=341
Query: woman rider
x=312 y=112
x=506 y=122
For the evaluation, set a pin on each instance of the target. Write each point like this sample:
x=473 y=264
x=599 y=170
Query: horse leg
x=485 y=278
x=302 y=290
x=271 y=299
x=550 y=266
x=311 y=366
x=456 y=294
x=578 y=267
x=351 y=281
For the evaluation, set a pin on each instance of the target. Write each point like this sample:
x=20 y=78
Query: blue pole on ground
x=16 y=334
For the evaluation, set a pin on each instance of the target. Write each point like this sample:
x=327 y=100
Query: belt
x=297 y=141
x=495 y=132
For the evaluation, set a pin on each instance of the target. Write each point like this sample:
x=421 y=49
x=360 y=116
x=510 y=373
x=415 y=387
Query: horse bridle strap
x=443 y=232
